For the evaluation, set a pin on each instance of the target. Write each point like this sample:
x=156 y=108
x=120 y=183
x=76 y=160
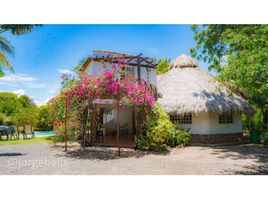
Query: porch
x=125 y=140
x=108 y=126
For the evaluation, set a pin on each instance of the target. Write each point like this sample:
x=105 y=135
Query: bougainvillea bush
x=78 y=93
x=109 y=86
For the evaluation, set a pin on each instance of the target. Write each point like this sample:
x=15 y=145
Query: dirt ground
x=192 y=160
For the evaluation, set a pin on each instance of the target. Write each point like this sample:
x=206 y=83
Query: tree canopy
x=162 y=66
x=45 y=118
x=18 y=29
x=9 y=103
x=239 y=54
x=21 y=110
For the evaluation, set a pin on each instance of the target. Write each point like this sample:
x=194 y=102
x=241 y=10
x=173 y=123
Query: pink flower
x=121 y=107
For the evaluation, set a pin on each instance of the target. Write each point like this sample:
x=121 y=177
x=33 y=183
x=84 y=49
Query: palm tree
x=5 y=45
x=18 y=29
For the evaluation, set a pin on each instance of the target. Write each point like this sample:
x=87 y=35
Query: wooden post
x=118 y=132
x=133 y=123
x=85 y=126
x=139 y=69
x=94 y=126
x=65 y=124
x=118 y=125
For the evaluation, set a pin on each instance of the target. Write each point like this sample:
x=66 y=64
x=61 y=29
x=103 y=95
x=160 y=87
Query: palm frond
x=6 y=46
x=5 y=63
x=18 y=29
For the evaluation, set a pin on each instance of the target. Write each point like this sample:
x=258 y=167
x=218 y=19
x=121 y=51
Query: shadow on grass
x=258 y=153
x=105 y=153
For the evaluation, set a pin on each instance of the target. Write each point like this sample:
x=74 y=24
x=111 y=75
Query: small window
x=130 y=72
x=108 y=115
x=181 y=119
x=226 y=118
x=127 y=72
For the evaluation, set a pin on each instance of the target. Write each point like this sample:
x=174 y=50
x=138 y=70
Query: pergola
x=127 y=59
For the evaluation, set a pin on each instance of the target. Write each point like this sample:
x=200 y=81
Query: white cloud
x=54 y=89
x=42 y=101
x=65 y=71
x=35 y=85
x=8 y=84
x=153 y=50
x=18 y=92
x=17 y=78
x=14 y=80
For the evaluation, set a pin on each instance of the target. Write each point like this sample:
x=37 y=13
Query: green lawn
x=36 y=140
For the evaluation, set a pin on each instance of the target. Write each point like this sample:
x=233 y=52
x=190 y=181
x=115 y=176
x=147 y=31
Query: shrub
x=179 y=138
x=71 y=136
x=45 y=118
x=161 y=132
x=264 y=138
x=25 y=117
x=142 y=142
x=2 y=118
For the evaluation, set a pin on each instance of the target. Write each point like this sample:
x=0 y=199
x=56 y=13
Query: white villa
x=192 y=97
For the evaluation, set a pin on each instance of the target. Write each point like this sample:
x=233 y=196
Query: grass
x=36 y=140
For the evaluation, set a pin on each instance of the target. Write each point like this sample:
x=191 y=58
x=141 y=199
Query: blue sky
x=43 y=54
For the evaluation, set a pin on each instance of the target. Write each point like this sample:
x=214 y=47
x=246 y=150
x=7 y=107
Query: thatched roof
x=186 y=88
x=183 y=61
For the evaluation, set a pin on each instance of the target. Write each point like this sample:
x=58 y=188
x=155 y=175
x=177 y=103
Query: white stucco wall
x=200 y=124
x=215 y=127
x=208 y=123
x=99 y=68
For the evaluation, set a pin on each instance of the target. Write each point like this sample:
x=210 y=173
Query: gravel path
x=46 y=159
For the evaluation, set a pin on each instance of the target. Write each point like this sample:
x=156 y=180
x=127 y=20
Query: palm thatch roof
x=186 y=88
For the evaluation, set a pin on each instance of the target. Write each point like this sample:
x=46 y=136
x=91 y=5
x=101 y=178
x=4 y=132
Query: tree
x=6 y=47
x=2 y=118
x=26 y=101
x=18 y=29
x=27 y=116
x=11 y=103
x=239 y=54
x=45 y=118
x=162 y=66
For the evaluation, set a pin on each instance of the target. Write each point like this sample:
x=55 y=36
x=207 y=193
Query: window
x=226 y=118
x=108 y=115
x=127 y=72
x=181 y=119
x=130 y=72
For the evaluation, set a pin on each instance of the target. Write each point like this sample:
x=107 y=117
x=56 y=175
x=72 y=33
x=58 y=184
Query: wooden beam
x=125 y=63
x=86 y=63
x=65 y=124
x=132 y=58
